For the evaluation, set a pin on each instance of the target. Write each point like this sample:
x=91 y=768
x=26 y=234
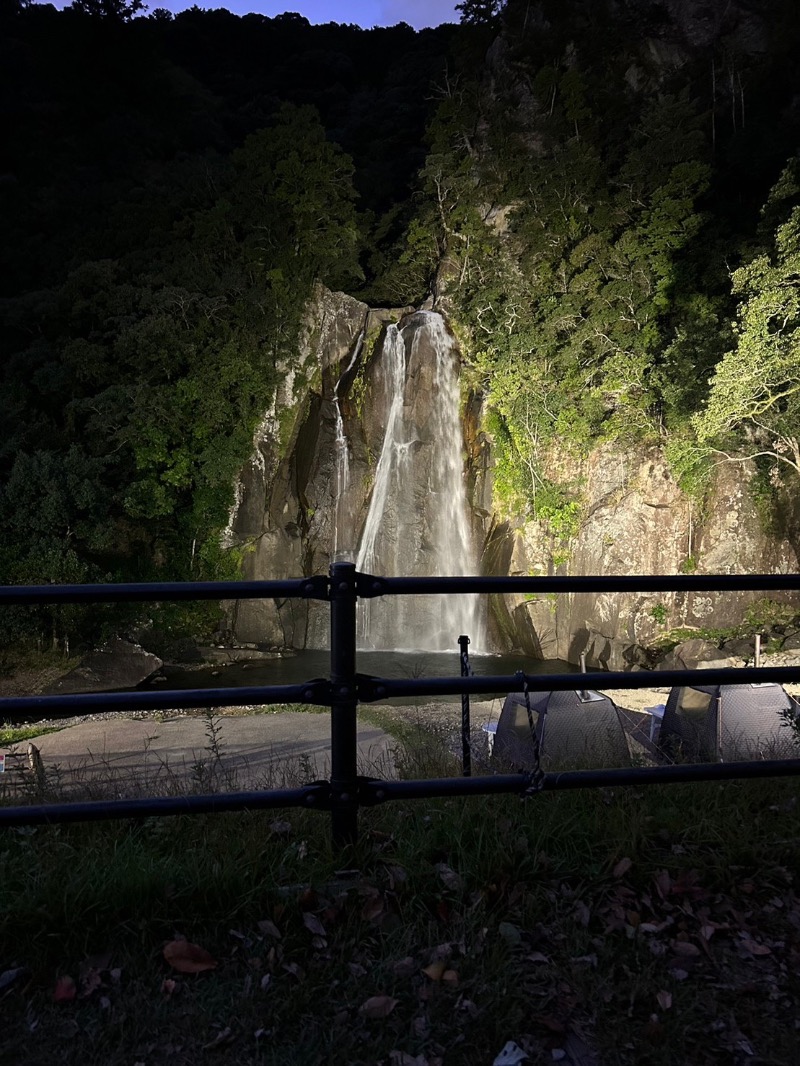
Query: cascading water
x=342 y=478
x=417 y=523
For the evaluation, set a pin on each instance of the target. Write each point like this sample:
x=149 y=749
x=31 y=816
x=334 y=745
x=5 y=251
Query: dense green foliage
x=581 y=184
x=590 y=193
x=177 y=188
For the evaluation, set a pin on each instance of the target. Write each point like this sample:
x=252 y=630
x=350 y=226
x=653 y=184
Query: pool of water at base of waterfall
x=294 y=668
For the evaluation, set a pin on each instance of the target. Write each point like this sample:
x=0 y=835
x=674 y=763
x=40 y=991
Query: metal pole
x=584 y=692
x=466 y=755
x=344 y=731
x=757 y=652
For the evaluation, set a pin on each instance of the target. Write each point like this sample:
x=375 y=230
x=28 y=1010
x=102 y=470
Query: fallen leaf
x=99 y=962
x=378 y=1007
x=663 y=883
x=65 y=990
x=622 y=868
x=8 y=977
x=269 y=928
x=402 y=1058
x=435 y=970
x=373 y=908
x=313 y=924
x=449 y=877
x=755 y=948
x=420 y=1026
x=469 y=1006
x=442 y=951
x=664 y=1000
x=188 y=958
x=309 y=899
x=281 y=828
x=685 y=949
x=294 y=970
x=510 y=1055
x=509 y=933
x=582 y=913
x=450 y=977
x=396 y=875
x=404 y=967
x=168 y=986
x=90 y=982
x=586 y=960
x=224 y=1036
x=537 y=956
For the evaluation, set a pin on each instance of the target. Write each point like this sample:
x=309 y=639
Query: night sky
x=366 y=13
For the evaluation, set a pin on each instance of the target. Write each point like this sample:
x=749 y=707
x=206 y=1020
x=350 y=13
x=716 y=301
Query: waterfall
x=418 y=518
x=341 y=522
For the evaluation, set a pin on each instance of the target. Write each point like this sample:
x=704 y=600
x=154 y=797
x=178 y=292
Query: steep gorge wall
x=281 y=520
x=285 y=514
x=635 y=519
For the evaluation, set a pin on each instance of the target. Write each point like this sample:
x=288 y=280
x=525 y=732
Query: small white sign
x=2 y=762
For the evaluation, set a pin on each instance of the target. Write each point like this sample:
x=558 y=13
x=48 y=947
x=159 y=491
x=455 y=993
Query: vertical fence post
x=344 y=729
x=466 y=755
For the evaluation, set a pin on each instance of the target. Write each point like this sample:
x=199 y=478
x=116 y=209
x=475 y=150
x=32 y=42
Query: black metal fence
x=345 y=688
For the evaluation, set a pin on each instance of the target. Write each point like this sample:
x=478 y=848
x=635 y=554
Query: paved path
x=128 y=756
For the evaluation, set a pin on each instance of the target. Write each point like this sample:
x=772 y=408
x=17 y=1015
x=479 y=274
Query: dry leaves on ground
x=186 y=957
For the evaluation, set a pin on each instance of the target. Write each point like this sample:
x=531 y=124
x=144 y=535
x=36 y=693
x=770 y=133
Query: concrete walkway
x=126 y=756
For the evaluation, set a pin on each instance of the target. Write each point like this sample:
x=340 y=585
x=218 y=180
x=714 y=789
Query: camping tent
x=582 y=728
x=728 y=722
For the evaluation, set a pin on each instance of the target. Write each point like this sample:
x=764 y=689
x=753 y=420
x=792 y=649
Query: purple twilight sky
x=366 y=13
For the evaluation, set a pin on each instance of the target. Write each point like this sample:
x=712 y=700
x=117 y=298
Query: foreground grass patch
x=14 y=735
x=658 y=925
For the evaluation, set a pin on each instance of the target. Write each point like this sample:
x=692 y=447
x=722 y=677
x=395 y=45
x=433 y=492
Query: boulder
x=697 y=654
x=740 y=647
x=117 y=665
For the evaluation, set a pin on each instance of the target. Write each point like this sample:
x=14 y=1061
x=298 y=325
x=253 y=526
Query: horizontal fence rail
x=345 y=688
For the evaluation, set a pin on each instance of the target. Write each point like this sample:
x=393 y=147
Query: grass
x=15 y=735
x=656 y=926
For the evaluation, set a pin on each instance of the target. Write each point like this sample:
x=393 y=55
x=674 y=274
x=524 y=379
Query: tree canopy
x=756 y=386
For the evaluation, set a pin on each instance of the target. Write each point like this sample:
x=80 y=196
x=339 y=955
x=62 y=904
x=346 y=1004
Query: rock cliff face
x=282 y=520
x=635 y=519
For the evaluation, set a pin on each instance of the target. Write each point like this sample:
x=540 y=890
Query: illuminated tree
x=756 y=387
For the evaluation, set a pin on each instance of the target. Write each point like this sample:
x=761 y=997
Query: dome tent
x=728 y=722
x=575 y=727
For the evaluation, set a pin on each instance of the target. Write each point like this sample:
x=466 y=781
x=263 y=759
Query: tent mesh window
x=579 y=729
x=728 y=721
